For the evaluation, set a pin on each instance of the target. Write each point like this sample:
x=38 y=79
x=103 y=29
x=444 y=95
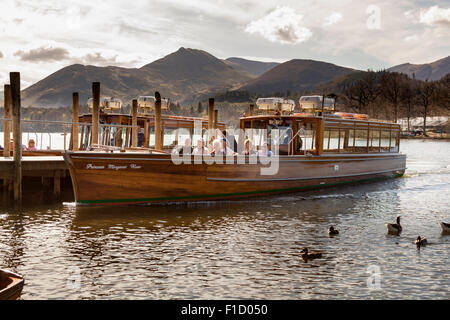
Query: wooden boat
x=315 y=151
x=11 y=285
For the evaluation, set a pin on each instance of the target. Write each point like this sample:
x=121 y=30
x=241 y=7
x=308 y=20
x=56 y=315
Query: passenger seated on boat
x=264 y=151
x=141 y=139
x=225 y=149
x=248 y=148
x=200 y=149
x=217 y=149
x=31 y=145
x=211 y=144
x=187 y=149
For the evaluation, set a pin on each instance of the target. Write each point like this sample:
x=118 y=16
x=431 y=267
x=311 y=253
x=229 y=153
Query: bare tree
x=391 y=84
x=362 y=92
x=408 y=92
x=425 y=93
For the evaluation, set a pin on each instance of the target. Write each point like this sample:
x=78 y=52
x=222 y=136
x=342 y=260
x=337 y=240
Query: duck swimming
x=333 y=231
x=421 y=241
x=395 y=228
x=310 y=255
x=445 y=227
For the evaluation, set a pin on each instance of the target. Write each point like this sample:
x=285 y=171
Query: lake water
x=245 y=249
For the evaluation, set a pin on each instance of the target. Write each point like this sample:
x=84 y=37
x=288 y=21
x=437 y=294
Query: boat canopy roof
x=315 y=102
x=147 y=103
x=276 y=104
x=107 y=103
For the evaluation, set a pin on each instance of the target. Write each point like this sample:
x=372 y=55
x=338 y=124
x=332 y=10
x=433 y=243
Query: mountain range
x=187 y=75
x=429 y=71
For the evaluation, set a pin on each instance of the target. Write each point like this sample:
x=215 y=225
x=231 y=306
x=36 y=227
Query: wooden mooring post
x=216 y=119
x=14 y=79
x=158 y=133
x=95 y=111
x=75 y=119
x=7 y=128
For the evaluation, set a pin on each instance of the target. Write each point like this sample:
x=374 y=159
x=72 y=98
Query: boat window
x=170 y=137
x=385 y=141
x=331 y=141
x=395 y=138
x=374 y=142
x=305 y=139
x=361 y=140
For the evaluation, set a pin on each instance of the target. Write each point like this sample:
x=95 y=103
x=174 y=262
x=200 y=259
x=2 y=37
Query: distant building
x=436 y=124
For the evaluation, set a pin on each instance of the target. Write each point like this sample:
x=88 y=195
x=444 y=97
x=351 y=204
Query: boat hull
x=132 y=178
x=11 y=285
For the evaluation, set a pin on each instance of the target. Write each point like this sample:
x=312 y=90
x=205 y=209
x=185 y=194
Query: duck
x=394 y=227
x=333 y=231
x=421 y=241
x=445 y=227
x=310 y=255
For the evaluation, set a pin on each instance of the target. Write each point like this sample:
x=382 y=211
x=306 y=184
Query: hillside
x=429 y=71
x=180 y=76
x=295 y=75
x=255 y=68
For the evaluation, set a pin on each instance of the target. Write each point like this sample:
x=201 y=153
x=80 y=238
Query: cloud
x=98 y=59
x=281 y=25
x=435 y=15
x=335 y=17
x=43 y=54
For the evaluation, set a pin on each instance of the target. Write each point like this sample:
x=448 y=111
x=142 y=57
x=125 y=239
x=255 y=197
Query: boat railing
x=66 y=128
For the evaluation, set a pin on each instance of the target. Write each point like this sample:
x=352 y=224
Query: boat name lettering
x=135 y=166
x=91 y=166
x=114 y=167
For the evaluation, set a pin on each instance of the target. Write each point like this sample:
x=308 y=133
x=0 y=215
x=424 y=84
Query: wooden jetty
x=51 y=167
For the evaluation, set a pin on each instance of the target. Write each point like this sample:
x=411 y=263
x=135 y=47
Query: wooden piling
x=134 y=138
x=210 y=115
x=14 y=79
x=95 y=111
x=7 y=128
x=75 y=143
x=158 y=133
x=57 y=184
x=216 y=118
x=7 y=124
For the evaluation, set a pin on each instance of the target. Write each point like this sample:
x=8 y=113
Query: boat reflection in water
x=313 y=148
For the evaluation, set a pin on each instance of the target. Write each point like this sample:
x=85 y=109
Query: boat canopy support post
x=14 y=78
x=134 y=130
x=210 y=117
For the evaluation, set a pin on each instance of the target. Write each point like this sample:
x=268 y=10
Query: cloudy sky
x=39 y=37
